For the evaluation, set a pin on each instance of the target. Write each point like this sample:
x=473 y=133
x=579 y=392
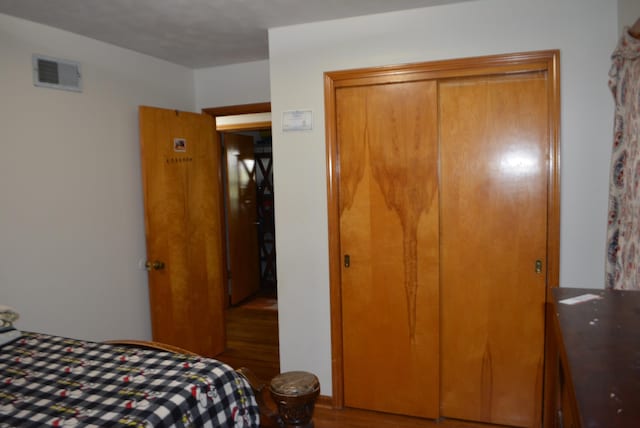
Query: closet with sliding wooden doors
x=443 y=197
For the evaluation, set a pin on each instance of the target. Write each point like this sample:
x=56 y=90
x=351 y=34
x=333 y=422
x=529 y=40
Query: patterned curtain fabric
x=623 y=233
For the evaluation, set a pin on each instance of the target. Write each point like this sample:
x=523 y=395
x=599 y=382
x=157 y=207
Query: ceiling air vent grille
x=56 y=73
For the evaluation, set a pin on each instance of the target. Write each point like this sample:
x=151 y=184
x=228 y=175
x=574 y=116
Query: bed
x=56 y=381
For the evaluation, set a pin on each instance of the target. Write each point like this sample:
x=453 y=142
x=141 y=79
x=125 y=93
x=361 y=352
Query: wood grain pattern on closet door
x=494 y=151
x=387 y=139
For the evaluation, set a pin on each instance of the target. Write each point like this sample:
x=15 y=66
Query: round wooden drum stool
x=295 y=394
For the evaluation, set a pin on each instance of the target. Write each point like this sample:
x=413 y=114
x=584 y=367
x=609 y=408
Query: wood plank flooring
x=252 y=342
x=326 y=417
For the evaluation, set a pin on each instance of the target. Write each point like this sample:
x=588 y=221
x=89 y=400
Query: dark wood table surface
x=600 y=343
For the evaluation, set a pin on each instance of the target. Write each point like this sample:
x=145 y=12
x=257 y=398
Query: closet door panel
x=494 y=139
x=387 y=138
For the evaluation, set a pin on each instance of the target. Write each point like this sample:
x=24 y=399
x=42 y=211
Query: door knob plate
x=155 y=265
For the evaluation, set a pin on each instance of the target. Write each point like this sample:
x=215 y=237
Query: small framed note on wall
x=297 y=120
x=179 y=145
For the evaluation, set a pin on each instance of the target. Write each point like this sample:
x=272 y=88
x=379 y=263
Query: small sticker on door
x=179 y=145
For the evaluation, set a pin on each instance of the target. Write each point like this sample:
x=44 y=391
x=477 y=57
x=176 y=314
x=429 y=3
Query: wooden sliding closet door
x=444 y=223
x=388 y=151
x=494 y=143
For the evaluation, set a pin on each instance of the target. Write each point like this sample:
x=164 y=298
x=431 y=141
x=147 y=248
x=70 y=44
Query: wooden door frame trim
x=238 y=127
x=544 y=61
x=238 y=109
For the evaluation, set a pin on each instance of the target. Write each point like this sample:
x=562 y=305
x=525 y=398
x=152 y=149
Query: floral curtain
x=623 y=233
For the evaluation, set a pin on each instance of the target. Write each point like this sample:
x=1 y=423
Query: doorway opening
x=250 y=226
x=251 y=314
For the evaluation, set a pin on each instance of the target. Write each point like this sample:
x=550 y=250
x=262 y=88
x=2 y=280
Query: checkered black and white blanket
x=54 y=381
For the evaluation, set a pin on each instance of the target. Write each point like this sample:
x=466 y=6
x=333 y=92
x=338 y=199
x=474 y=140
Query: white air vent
x=56 y=73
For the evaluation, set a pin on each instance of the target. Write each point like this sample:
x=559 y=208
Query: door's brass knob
x=157 y=265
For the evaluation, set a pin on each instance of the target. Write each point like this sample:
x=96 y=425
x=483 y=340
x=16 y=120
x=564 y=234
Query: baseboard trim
x=325 y=401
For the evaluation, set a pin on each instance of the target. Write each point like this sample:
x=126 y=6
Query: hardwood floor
x=252 y=342
x=252 y=339
x=326 y=417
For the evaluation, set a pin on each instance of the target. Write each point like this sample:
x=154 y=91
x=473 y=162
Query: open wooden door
x=242 y=217
x=182 y=201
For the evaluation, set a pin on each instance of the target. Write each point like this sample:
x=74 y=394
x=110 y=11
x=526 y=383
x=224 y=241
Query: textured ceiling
x=194 y=33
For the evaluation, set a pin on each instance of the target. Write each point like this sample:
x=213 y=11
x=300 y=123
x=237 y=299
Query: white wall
x=227 y=85
x=584 y=30
x=71 y=213
x=628 y=13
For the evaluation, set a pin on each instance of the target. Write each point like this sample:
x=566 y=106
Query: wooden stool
x=295 y=394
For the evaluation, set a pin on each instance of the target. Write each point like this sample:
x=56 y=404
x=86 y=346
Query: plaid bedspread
x=55 y=381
